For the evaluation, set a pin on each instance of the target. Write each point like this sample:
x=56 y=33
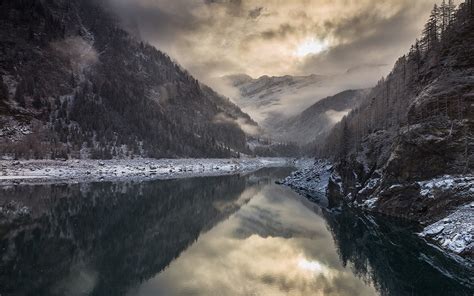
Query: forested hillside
x=314 y=123
x=416 y=125
x=75 y=84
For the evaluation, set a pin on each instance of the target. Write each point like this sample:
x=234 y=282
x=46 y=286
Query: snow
x=454 y=233
x=370 y=185
x=311 y=179
x=38 y=171
x=370 y=203
x=447 y=182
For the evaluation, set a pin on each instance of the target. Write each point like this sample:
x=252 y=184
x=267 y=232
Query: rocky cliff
x=408 y=149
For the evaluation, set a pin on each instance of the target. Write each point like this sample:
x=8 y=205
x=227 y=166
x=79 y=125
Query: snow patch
x=454 y=233
x=445 y=183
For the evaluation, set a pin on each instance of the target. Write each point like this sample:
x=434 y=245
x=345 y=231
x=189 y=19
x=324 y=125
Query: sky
x=212 y=38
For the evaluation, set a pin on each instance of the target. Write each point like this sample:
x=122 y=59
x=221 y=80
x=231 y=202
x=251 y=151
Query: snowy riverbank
x=453 y=233
x=47 y=171
x=311 y=180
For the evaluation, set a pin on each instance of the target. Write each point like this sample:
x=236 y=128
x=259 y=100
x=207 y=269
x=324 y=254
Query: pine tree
x=430 y=32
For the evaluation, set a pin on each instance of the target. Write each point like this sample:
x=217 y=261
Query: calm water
x=233 y=235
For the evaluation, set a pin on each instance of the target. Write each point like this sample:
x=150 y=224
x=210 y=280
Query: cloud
x=80 y=52
x=256 y=12
x=336 y=116
x=242 y=123
x=213 y=38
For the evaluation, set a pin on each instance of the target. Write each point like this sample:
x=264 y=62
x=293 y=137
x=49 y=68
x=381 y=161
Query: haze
x=213 y=38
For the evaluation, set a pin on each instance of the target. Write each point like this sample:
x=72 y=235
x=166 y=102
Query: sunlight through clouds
x=311 y=46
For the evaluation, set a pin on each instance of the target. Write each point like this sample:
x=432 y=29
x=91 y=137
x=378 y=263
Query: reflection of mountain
x=273 y=216
x=118 y=234
x=394 y=259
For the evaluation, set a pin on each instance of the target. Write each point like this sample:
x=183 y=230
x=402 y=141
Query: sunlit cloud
x=214 y=38
x=311 y=46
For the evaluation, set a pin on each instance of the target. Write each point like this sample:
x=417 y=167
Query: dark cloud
x=282 y=31
x=213 y=38
x=365 y=39
x=255 y=13
x=234 y=7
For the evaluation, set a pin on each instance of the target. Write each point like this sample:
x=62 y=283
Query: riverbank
x=71 y=171
x=452 y=228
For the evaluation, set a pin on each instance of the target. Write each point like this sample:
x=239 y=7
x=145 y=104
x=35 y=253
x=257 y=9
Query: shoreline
x=27 y=172
x=452 y=232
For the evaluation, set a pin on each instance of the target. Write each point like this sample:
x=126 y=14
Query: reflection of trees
x=392 y=257
x=126 y=232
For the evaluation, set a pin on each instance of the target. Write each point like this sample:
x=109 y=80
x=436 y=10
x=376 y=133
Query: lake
x=229 y=235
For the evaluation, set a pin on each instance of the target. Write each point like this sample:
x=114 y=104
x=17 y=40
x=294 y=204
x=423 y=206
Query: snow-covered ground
x=462 y=183
x=44 y=171
x=311 y=180
x=454 y=233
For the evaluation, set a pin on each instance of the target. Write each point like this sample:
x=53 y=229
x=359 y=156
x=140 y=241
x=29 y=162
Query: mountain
x=266 y=98
x=274 y=100
x=75 y=84
x=313 y=124
x=266 y=90
x=408 y=149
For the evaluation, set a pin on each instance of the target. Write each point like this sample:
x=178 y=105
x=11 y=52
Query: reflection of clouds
x=221 y=264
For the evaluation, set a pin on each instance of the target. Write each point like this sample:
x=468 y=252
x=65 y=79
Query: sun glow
x=311 y=46
x=312 y=266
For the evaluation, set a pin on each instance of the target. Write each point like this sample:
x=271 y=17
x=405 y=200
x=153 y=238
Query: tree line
x=387 y=108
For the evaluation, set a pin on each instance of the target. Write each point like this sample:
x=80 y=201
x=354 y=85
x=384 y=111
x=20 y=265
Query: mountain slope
x=314 y=123
x=408 y=149
x=266 y=97
x=75 y=84
x=272 y=101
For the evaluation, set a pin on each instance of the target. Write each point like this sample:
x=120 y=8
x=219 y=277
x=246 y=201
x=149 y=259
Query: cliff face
x=408 y=150
x=73 y=83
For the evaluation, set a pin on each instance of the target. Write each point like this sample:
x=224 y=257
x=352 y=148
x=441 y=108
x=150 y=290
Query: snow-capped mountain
x=276 y=102
x=292 y=108
x=266 y=97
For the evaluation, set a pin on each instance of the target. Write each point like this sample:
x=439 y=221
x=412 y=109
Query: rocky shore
x=74 y=171
x=443 y=206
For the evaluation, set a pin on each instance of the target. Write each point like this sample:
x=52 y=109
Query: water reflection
x=232 y=235
x=102 y=238
x=388 y=254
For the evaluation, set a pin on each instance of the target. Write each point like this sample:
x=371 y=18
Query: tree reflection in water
x=108 y=236
x=390 y=255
